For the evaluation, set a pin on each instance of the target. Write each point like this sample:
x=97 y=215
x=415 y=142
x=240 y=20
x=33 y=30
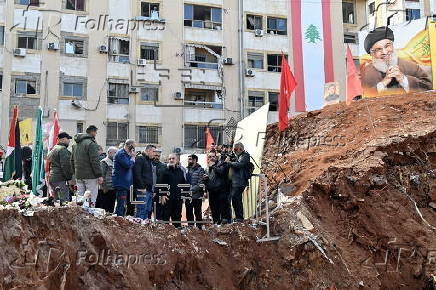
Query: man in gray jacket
x=194 y=177
x=107 y=194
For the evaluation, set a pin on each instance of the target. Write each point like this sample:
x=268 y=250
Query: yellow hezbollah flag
x=432 y=38
x=26 y=137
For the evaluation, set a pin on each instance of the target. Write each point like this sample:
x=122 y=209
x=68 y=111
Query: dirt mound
x=352 y=190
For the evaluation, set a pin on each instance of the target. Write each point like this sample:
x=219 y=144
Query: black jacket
x=143 y=173
x=218 y=177
x=238 y=170
x=172 y=176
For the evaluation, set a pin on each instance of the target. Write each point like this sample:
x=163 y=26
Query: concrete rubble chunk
x=305 y=221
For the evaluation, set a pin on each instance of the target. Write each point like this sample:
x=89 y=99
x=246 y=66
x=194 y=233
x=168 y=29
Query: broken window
x=254 y=22
x=74 y=90
x=273 y=101
x=149 y=94
x=74 y=46
x=27 y=2
x=25 y=87
x=150 y=10
x=28 y=41
x=78 y=5
x=118 y=93
x=150 y=51
x=119 y=50
x=348 y=11
x=203 y=98
x=148 y=134
x=195 y=135
x=275 y=62
x=203 y=56
x=277 y=26
x=255 y=60
x=116 y=133
x=203 y=17
x=255 y=100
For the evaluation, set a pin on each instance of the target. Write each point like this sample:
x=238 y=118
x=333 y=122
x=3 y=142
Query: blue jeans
x=121 y=201
x=144 y=210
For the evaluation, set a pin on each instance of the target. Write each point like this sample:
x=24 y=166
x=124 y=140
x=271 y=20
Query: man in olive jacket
x=61 y=171
x=86 y=163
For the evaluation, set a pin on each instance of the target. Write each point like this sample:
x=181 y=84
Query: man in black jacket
x=143 y=182
x=195 y=179
x=239 y=180
x=216 y=181
x=158 y=169
x=171 y=201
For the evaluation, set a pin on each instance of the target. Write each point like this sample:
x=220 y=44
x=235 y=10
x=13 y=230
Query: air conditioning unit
x=20 y=52
x=249 y=72
x=228 y=61
x=142 y=62
x=53 y=46
x=178 y=96
x=103 y=49
x=258 y=32
x=178 y=150
x=134 y=90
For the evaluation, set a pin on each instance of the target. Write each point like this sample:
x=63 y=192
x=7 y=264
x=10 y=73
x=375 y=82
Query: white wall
x=192 y=115
x=117 y=112
x=74 y=66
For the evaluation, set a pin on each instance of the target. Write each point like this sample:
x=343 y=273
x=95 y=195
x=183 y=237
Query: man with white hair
x=107 y=194
x=387 y=73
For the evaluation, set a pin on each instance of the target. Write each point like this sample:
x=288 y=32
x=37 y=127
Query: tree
x=312 y=34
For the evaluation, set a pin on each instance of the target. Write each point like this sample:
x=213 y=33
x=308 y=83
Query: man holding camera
x=238 y=175
x=122 y=178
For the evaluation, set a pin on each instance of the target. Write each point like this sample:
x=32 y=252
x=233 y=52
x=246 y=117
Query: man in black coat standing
x=143 y=182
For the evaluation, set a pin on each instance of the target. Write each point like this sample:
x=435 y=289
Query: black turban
x=378 y=34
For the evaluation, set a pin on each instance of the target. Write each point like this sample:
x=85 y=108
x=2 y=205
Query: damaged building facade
x=156 y=71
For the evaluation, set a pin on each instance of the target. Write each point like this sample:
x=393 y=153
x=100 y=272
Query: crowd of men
x=159 y=189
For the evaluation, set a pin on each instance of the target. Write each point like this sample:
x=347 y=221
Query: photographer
x=217 y=184
x=122 y=178
x=238 y=176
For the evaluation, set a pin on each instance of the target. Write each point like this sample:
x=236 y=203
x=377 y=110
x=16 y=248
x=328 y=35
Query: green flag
x=38 y=173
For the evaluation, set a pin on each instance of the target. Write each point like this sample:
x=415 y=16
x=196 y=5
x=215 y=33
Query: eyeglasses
x=388 y=45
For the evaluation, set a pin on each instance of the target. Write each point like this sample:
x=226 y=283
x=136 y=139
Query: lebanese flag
x=354 y=87
x=209 y=139
x=287 y=86
x=312 y=51
x=13 y=162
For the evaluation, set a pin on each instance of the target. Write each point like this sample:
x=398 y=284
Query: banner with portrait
x=396 y=59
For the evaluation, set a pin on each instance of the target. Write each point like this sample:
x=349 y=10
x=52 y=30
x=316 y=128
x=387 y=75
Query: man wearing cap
x=387 y=73
x=61 y=172
x=86 y=163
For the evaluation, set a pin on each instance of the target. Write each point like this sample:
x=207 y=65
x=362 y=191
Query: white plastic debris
x=97 y=212
x=220 y=242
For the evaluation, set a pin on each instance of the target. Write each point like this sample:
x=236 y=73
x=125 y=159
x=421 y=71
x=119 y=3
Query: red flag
x=287 y=86
x=209 y=139
x=354 y=87
x=54 y=132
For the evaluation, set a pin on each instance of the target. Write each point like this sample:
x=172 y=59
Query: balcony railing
x=204 y=105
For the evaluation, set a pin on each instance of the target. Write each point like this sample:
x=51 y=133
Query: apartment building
x=157 y=71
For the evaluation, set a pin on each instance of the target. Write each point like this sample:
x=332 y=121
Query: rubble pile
x=352 y=194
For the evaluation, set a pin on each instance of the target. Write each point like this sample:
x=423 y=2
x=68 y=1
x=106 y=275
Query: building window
x=118 y=93
x=371 y=8
x=350 y=38
x=149 y=94
x=25 y=87
x=202 y=98
x=78 y=5
x=116 y=133
x=254 y=22
x=27 y=2
x=2 y=35
x=203 y=17
x=255 y=100
x=412 y=14
x=275 y=62
x=150 y=10
x=79 y=127
x=1 y=82
x=74 y=46
x=348 y=11
x=203 y=57
x=119 y=50
x=195 y=135
x=277 y=26
x=255 y=60
x=74 y=90
x=273 y=101
x=28 y=41
x=150 y=51
x=148 y=134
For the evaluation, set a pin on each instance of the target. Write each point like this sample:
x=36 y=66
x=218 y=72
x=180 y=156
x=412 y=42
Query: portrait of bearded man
x=387 y=73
